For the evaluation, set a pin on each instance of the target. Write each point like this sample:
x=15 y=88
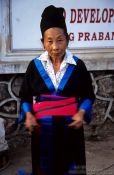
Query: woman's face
x=55 y=42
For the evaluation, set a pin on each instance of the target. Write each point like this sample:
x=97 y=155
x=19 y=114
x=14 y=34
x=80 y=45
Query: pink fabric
x=62 y=107
x=49 y=104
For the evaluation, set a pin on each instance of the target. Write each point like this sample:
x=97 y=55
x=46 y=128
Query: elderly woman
x=56 y=98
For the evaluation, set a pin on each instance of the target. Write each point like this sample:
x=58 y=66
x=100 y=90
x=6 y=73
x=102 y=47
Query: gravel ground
x=99 y=155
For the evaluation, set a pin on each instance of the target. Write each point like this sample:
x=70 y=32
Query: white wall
x=20 y=36
x=91 y=29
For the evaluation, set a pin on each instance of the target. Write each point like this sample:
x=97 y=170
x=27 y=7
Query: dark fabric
x=35 y=151
x=79 y=84
x=55 y=147
x=52 y=17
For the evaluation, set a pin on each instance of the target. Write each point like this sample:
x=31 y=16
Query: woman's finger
x=75 y=124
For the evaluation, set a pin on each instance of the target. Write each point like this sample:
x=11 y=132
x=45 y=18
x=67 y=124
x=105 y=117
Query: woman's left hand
x=78 y=119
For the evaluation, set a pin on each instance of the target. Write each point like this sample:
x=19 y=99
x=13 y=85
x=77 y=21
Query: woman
x=56 y=98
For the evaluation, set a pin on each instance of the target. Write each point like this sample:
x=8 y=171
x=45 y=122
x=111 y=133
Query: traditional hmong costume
x=56 y=148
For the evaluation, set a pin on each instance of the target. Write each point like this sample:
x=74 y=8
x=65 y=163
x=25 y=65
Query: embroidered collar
x=68 y=59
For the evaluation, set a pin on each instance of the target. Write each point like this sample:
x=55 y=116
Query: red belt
x=64 y=107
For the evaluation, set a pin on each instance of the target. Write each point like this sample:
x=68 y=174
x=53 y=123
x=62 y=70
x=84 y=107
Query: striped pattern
x=55 y=106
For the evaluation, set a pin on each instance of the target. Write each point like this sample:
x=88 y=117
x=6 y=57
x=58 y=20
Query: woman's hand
x=78 y=119
x=30 y=121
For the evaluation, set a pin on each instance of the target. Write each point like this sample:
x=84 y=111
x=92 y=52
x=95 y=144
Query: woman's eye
x=49 y=41
x=61 y=40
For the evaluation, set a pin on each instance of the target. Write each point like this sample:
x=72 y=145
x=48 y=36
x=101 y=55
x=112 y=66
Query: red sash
x=58 y=107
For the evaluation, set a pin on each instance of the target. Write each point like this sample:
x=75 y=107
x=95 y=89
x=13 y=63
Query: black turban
x=53 y=17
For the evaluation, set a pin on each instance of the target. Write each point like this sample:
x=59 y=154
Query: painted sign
x=90 y=23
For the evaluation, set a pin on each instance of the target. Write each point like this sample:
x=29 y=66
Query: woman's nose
x=55 y=45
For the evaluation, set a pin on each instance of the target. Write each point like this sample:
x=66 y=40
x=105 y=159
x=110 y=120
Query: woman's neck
x=56 y=63
x=57 y=60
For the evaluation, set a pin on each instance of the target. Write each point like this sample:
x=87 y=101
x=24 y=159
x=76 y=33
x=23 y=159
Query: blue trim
x=44 y=75
x=47 y=79
x=87 y=106
x=43 y=98
x=23 y=172
x=75 y=58
x=25 y=107
x=66 y=77
x=21 y=117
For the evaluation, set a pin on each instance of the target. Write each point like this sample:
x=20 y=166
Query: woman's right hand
x=30 y=121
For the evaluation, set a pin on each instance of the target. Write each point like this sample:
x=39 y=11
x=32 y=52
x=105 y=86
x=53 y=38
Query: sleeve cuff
x=87 y=106
x=25 y=107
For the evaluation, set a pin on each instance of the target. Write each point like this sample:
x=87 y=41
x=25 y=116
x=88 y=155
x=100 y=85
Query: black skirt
x=58 y=149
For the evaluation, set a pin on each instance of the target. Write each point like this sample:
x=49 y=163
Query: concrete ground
x=99 y=154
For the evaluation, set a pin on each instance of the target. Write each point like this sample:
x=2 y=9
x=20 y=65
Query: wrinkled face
x=55 y=42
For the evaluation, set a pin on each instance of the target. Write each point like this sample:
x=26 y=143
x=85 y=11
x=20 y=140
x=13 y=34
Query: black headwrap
x=53 y=17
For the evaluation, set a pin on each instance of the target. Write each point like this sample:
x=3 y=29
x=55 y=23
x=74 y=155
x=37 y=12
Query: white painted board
x=90 y=23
